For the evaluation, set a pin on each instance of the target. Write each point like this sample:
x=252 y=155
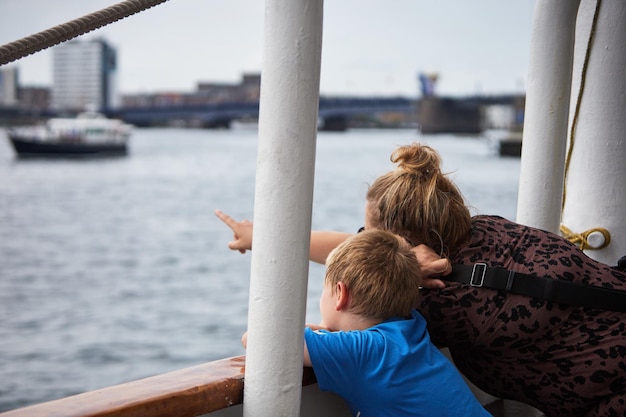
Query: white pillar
x=546 y=114
x=283 y=203
x=545 y=126
x=596 y=182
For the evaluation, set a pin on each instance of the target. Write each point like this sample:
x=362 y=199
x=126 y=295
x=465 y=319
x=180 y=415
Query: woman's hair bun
x=417 y=159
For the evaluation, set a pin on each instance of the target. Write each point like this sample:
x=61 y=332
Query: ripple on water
x=115 y=270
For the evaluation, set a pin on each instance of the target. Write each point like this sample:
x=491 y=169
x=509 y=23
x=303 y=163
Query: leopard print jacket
x=563 y=360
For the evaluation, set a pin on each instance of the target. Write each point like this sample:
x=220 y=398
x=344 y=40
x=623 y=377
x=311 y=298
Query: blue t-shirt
x=391 y=369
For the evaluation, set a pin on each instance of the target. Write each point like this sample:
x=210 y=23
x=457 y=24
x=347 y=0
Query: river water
x=116 y=269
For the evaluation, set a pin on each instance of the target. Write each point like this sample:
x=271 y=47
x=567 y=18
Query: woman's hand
x=432 y=265
x=242 y=232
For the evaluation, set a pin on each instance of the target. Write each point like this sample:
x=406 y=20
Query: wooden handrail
x=187 y=392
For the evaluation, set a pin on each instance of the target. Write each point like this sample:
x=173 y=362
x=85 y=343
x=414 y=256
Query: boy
x=376 y=353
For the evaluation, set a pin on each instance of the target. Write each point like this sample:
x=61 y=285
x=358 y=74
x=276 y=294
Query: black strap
x=557 y=291
x=621 y=264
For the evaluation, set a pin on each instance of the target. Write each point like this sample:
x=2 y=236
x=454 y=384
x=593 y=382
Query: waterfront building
x=8 y=87
x=84 y=75
x=34 y=98
x=248 y=90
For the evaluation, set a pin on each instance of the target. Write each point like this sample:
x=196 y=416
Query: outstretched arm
x=322 y=242
x=242 y=232
x=306 y=359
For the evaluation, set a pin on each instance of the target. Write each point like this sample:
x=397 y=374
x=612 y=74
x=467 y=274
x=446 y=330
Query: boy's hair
x=380 y=271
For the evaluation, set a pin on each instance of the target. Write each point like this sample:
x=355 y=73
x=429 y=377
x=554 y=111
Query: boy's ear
x=342 y=296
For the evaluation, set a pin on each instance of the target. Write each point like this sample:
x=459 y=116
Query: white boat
x=275 y=382
x=88 y=134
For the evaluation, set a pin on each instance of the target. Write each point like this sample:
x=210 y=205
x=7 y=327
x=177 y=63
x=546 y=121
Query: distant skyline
x=370 y=47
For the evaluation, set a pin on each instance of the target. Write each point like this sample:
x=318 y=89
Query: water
x=116 y=269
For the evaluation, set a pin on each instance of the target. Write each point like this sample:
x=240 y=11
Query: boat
x=88 y=134
x=511 y=145
x=580 y=148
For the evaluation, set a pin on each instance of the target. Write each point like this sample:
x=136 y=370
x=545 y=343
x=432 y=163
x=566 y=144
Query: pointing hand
x=242 y=232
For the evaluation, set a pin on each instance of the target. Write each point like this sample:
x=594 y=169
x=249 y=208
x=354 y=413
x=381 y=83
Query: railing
x=187 y=392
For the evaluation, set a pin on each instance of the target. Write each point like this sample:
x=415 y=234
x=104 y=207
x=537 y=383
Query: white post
x=283 y=204
x=546 y=114
x=545 y=126
x=596 y=182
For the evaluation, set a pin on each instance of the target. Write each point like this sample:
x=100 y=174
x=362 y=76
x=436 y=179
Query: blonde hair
x=380 y=271
x=418 y=202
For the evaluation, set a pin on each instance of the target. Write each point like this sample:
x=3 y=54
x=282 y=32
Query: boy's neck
x=351 y=321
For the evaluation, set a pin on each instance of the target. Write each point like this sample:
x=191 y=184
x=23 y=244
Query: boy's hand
x=242 y=232
x=320 y=326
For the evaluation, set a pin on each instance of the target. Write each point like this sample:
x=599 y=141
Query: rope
x=69 y=30
x=579 y=98
x=581 y=238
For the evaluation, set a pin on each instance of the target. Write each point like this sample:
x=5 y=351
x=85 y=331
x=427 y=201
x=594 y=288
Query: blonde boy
x=375 y=351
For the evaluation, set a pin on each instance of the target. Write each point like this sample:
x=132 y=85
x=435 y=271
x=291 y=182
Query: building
x=26 y=98
x=34 y=99
x=84 y=75
x=248 y=90
x=8 y=87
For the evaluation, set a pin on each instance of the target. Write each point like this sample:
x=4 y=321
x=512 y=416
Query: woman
x=563 y=359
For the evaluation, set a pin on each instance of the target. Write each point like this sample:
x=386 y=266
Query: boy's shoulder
x=395 y=330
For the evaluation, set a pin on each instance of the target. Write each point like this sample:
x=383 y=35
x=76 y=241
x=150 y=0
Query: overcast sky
x=370 y=47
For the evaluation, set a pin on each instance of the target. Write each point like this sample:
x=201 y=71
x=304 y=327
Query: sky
x=370 y=47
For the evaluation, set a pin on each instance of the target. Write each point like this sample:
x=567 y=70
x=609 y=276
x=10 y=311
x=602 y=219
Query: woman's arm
x=242 y=232
x=322 y=242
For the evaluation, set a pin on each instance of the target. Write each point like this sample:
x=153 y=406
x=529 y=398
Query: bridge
x=333 y=112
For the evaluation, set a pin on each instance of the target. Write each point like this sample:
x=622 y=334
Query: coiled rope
x=581 y=239
x=66 y=31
